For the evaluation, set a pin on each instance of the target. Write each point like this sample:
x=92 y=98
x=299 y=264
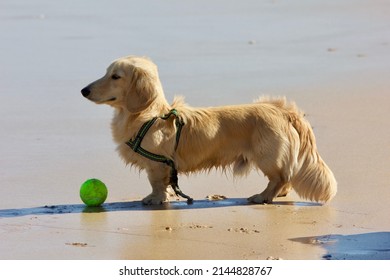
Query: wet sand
x=333 y=60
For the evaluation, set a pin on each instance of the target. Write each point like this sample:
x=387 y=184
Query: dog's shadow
x=136 y=206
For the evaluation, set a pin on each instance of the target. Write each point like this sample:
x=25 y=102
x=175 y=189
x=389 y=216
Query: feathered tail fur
x=311 y=179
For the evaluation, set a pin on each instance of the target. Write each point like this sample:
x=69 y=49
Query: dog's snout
x=85 y=91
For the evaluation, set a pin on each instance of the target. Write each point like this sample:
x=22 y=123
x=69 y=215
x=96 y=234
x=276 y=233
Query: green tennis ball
x=93 y=192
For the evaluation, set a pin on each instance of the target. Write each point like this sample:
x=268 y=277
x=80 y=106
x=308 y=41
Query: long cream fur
x=269 y=134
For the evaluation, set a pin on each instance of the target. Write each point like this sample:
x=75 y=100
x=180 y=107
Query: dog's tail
x=312 y=179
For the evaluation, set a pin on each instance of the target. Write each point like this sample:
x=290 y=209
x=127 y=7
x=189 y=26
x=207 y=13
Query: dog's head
x=130 y=82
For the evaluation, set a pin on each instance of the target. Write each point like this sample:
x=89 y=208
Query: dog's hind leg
x=286 y=189
x=159 y=180
x=274 y=188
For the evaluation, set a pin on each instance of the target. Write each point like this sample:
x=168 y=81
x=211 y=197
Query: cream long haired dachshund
x=270 y=134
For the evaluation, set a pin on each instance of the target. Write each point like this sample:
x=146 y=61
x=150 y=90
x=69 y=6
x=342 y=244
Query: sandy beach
x=331 y=57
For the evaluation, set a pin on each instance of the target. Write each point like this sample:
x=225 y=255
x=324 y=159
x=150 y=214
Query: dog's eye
x=115 y=77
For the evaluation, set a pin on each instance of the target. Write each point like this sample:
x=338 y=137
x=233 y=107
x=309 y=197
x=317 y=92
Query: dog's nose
x=85 y=91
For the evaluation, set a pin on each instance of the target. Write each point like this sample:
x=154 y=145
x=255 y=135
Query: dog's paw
x=285 y=191
x=171 y=192
x=156 y=199
x=259 y=199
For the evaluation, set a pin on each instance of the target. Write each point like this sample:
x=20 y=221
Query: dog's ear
x=142 y=90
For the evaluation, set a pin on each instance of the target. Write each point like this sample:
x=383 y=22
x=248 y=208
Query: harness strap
x=178 y=122
x=135 y=145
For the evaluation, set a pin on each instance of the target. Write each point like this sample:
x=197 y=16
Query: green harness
x=135 y=145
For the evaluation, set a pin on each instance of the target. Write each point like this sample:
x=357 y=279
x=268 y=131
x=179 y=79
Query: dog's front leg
x=158 y=176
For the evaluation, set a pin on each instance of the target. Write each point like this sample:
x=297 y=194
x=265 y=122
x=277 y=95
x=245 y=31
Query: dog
x=270 y=134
